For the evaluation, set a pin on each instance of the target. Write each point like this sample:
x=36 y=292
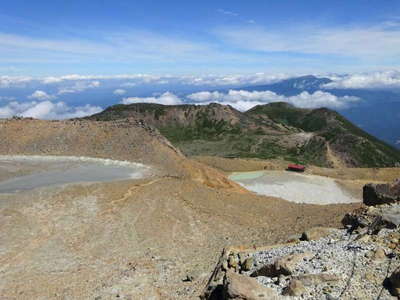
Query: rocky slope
x=278 y=130
x=121 y=140
x=127 y=139
x=322 y=263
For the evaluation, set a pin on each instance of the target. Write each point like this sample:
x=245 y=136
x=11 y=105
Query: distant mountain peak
x=293 y=86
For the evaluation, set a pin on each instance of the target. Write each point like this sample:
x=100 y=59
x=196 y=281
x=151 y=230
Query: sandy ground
x=135 y=239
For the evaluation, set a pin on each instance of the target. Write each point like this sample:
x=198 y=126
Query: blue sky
x=53 y=38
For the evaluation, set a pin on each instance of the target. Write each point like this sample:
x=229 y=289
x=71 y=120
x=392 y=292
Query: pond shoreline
x=31 y=172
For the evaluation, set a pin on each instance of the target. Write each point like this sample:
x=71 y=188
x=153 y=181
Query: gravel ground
x=340 y=254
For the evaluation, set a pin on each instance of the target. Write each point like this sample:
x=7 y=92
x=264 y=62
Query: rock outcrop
x=327 y=263
x=376 y=194
x=315 y=233
x=332 y=267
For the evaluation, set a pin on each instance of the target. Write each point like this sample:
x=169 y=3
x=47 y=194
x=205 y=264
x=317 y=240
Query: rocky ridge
x=278 y=130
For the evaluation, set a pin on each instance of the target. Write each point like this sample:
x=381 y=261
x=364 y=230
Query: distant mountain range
x=378 y=111
x=277 y=130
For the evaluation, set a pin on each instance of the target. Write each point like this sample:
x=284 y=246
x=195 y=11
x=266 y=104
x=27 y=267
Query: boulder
x=286 y=265
x=283 y=266
x=240 y=287
x=295 y=288
x=315 y=279
x=233 y=261
x=379 y=255
x=316 y=233
x=395 y=282
x=377 y=194
x=373 y=219
x=248 y=264
x=391 y=220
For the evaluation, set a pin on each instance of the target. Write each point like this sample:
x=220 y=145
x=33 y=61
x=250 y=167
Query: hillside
x=131 y=239
x=354 y=146
x=277 y=130
x=375 y=105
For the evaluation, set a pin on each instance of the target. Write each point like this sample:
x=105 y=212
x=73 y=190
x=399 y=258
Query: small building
x=296 y=168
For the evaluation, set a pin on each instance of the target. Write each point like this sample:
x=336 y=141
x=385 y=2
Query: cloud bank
x=167 y=98
x=383 y=79
x=389 y=79
x=46 y=110
x=79 y=86
x=245 y=100
x=76 y=82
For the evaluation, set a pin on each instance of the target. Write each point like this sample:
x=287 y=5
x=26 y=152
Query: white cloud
x=41 y=95
x=46 y=110
x=128 y=46
x=79 y=86
x=374 y=42
x=227 y=12
x=383 y=79
x=244 y=79
x=119 y=92
x=137 y=79
x=77 y=77
x=244 y=100
x=75 y=82
x=167 y=98
x=11 y=81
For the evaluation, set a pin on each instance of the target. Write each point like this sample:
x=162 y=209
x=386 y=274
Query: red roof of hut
x=295 y=167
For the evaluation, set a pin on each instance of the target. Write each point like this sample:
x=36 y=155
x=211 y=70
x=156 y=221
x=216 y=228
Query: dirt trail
x=131 y=191
x=336 y=162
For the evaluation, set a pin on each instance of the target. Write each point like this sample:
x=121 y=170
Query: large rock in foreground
x=377 y=194
x=239 y=287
